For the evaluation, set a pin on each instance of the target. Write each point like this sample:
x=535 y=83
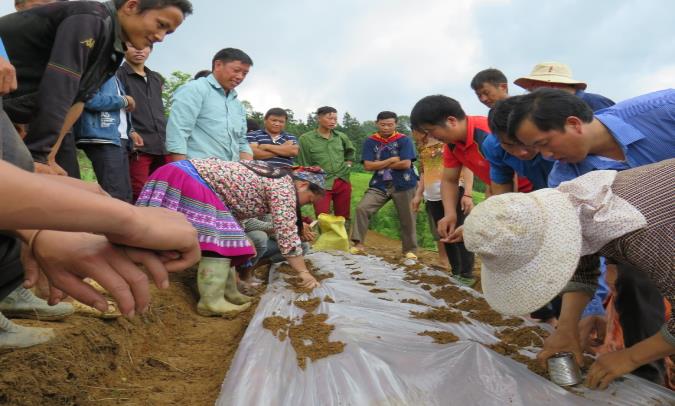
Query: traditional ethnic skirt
x=178 y=186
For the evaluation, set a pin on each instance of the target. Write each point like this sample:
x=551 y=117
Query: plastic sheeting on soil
x=385 y=361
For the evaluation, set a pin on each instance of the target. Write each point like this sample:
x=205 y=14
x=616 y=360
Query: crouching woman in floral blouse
x=215 y=195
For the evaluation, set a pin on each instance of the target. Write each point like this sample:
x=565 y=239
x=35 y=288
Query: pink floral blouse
x=249 y=195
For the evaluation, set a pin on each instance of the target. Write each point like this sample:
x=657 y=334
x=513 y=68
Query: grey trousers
x=373 y=200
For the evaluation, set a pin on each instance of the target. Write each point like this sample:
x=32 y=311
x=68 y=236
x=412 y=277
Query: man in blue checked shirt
x=272 y=144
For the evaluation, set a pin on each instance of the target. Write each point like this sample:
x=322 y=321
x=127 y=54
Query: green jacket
x=330 y=154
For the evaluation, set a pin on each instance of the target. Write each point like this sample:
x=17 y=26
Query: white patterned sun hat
x=529 y=246
x=530 y=243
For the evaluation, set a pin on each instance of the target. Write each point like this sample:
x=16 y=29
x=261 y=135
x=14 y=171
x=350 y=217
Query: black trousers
x=66 y=157
x=641 y=314
x=111 y=165
x=461 y=260
x=11 y=269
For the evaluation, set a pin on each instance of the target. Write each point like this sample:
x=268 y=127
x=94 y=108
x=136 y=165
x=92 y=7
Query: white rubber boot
x=232 y=293
x=211 y=280
x=23 y=304
x=15 y=336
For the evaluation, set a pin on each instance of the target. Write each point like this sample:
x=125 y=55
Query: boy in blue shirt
x=389 y=155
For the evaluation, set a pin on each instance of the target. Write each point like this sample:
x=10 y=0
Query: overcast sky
x=364 y=56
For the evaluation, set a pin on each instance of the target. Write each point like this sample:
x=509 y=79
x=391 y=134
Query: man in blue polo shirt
x=272 y=144
x=389 y=155
x=635 y=132
x=507 y=158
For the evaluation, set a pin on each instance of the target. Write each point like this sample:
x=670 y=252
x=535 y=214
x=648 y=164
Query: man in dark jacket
x=149 y=121
x=63 y=52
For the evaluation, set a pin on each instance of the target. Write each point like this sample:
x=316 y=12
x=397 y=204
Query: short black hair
x=498 y=118
x=277 y=112
x=202 y=74
x=383 y=115
x=226 y=55
x=325 y=110
x=435 y=110
x=492 y=76
x=548 y=109
x=251 y=125
x=143 y=5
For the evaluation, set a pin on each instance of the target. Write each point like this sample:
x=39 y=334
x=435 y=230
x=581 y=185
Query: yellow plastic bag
x=333 y=234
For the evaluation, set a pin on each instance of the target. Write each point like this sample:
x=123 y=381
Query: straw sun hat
x=530 y=243
x=550 y=72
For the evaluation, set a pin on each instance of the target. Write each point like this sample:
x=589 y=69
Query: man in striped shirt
x=272 y=144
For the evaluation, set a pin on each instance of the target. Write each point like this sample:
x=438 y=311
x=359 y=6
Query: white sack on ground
x=385 y=362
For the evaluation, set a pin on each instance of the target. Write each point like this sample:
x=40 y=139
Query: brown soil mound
x=530 y=336
x=308 y=305
x=294 y=285
x=451 y=294
x=356 y=273
x=387 y=299
x=419 y=277
x=443 y=314
x=440 y=337
x=472 y=304
x=414 y=301
x=376 y=290
x=503 y=348
x=495 y=319
x=328 y=299
x=426 y=287
x=277 y=325
x=532 y=364
x=367 y=283
x=313 y=329
x=169 y=356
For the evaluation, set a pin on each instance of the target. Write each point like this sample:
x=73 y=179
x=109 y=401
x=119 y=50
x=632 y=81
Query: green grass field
x=386 y=220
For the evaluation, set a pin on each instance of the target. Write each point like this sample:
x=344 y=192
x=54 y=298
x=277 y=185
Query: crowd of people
x=576 y=230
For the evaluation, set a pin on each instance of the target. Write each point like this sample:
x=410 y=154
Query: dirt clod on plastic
x=328 y=299
x=367 y=283
x=376 y=290
x=414 y=301
x=314 y=330
x=451 y=294
x=532 y=364
x=493 y=318
x=426 y=287
x=472 y=304
x=419 y=277
x=443 y=314
x=440 y=337
x=530 y=336
x=308 y=305
x=356 y=273
x=277 y=325
x=503 y=348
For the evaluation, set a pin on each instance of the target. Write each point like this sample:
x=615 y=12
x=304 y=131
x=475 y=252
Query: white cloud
x=663 y=78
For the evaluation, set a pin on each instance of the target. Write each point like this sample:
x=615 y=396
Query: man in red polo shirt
x=443 y=118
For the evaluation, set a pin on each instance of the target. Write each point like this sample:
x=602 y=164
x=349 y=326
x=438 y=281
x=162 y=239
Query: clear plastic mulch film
x=385 y=361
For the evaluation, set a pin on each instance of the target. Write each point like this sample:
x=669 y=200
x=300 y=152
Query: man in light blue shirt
x=635 y=132
x=206 y=119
